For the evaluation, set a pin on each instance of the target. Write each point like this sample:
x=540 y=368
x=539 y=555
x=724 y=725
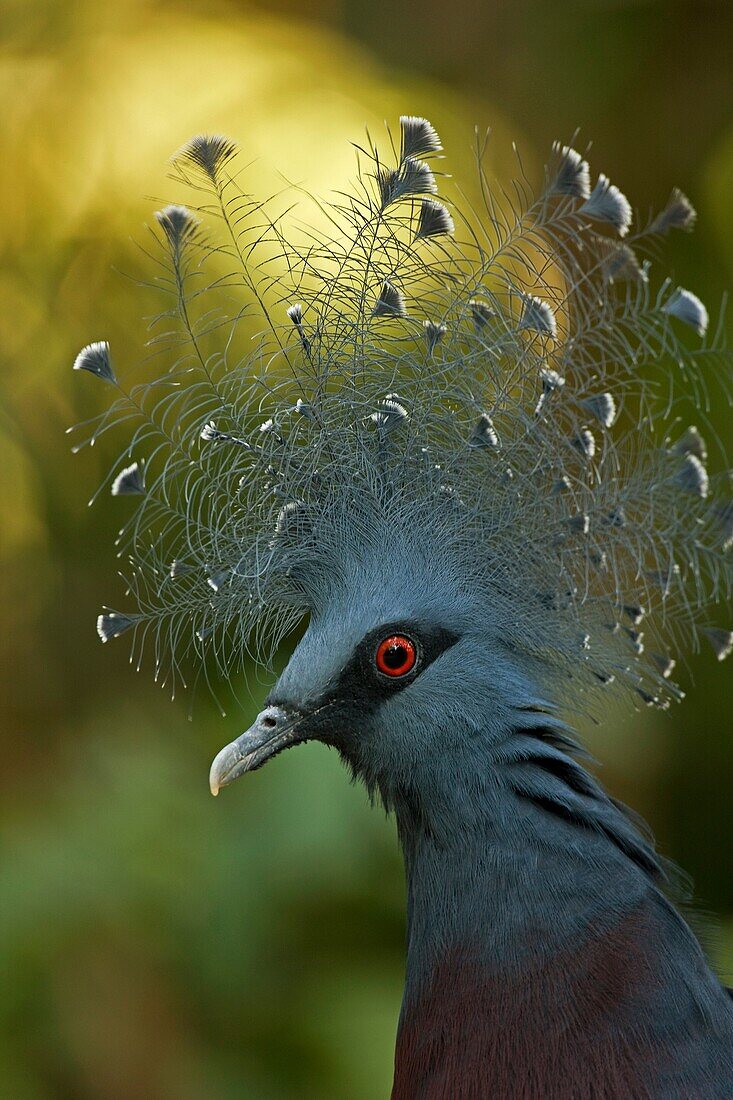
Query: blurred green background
x=155 y=943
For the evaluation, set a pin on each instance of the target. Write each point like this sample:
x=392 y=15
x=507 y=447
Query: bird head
x=397 y=669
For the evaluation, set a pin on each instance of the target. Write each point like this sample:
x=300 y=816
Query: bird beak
x=273 y=730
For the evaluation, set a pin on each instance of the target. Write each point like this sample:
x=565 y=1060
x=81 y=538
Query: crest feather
x=508 y=430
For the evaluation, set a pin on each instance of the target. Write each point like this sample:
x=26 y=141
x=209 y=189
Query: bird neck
x=531 y=906
x=500 y=876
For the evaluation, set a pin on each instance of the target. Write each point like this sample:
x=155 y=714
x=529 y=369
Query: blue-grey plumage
x=443 y=453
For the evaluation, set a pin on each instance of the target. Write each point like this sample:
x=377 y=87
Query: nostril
x=268 y=722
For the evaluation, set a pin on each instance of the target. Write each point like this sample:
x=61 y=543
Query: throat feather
x=542 y=771
x=562 y=1028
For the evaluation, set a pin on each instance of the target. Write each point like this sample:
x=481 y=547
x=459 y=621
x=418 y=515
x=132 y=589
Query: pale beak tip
x=221 y=768
x=215 y=783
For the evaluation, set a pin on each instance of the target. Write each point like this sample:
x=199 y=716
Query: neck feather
x=540 y=948
x=516 y=854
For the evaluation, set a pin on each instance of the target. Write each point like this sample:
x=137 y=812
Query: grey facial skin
x=339 y=703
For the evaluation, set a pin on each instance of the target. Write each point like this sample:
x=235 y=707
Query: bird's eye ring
x=396 y=655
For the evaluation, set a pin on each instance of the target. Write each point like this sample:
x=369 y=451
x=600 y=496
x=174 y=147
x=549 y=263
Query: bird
x=459 y=451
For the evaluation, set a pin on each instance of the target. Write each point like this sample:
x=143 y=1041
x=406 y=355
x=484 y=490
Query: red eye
x=396 y=655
